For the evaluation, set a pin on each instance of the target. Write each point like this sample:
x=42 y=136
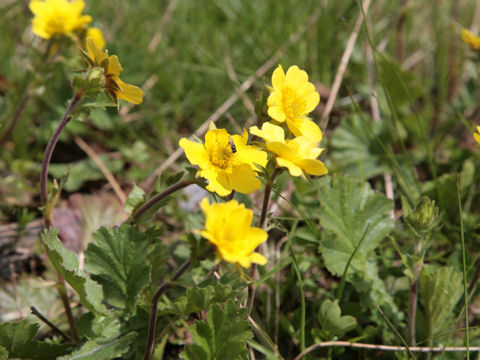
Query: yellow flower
x=298 y=155
x=470 y=39
x=292 y=99
x=227 y=226
x=227 y=162
x=476 y=135
x=57 y=17
x=97 y=36
x=113 y=85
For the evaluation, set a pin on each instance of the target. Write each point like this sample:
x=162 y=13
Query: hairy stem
x=62 y=290
x=153 y=313
x=159 y=197
x=51 y=146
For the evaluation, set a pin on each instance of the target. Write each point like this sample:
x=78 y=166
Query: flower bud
x=424 y=218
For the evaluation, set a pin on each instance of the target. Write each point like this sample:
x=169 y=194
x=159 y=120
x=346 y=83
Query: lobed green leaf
x=66 y=263
x=222 y=336
x=117 y=259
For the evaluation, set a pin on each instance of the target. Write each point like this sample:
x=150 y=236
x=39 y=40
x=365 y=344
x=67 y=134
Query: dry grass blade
x=343 y=64
x=108 y=175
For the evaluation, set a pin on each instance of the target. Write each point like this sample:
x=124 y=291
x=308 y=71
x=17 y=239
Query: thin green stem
x=300 y=286
x=464 y=261
x=394 y=329
x=344 y=276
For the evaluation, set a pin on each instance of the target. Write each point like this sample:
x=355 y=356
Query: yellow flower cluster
x=291 y=100
x=229 y=164
x=65 y=17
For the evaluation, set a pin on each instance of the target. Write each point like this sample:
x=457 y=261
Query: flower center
x=221 y=156
x=292 y=104
x=56 y=24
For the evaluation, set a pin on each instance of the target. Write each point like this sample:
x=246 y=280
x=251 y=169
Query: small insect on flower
x=232 y=145
x=226 y=161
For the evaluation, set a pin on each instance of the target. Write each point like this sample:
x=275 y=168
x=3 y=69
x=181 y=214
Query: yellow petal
x=292 y=168
x=129 y=92
x=114 y=67
x=37 y=7
x=242 y=179
x=278 y=78
x=269 y=132
x=476 y=137
x=281 y=150
x=97 y=36
x=239 y=219
x=216 y=182
x=254 y=237
x=313 y=167
x=305 y=127
x=258 y=259
x=470 y=39
x=195 y=152
x=274 y=99
x=94 y=52
x=215 y=138
x=276 y=113
x=295 y=77
x=311 y=102
x=76 y=7
x=251 y=155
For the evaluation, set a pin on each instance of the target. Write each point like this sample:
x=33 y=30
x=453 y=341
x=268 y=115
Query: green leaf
x=16 y=335
x=350 y=210
x=440 y=290
x=102 y=349
x=204 y=295
x=66 y=263
x=134 y=199
x=92 y=326
x=355 y=150
x=117 y=260
x=16 y=338
x=222 y=336
x=349 y=207
x=3 y=353
x=331 y=320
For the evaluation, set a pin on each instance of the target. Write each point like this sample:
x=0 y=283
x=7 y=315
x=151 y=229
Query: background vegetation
x=401 y=128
